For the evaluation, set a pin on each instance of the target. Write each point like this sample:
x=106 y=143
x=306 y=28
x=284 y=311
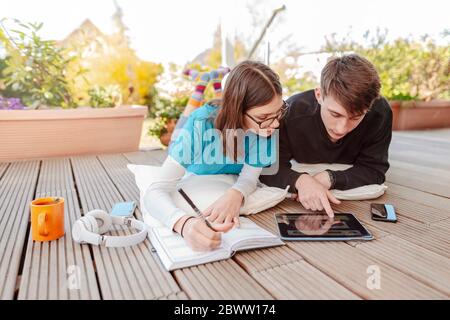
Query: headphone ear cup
x=90 y=223
x=102 y=219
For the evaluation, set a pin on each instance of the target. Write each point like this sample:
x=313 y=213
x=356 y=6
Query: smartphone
x=123 y=209
x=383 y=212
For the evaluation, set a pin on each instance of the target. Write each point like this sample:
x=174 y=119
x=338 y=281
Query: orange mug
x=47 y=218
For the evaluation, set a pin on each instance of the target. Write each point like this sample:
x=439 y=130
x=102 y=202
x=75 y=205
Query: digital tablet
x=319 y=227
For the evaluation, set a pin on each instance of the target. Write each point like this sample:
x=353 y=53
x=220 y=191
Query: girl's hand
x=225 y=210
x=198 y=235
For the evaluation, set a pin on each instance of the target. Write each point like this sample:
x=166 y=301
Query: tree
x=110 y=60
x=285 y=62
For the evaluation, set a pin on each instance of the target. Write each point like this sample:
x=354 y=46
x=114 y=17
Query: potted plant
x=52 y=121
x=166 y=113
x=416 y=80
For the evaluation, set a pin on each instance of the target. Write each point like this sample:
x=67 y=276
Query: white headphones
x=87 y=229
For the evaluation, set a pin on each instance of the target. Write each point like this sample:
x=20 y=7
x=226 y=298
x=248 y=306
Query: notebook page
x=178 y=252
x=249 y=235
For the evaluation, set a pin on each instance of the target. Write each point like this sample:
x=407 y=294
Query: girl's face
x=264 y=120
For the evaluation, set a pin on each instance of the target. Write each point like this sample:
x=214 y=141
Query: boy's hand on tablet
x=314 y=196
x=225 y=210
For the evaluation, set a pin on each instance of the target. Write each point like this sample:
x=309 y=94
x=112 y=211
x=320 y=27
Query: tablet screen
x=344 y=226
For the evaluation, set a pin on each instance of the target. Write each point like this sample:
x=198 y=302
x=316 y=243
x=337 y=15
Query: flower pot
x=33 y=134
x=412 y=115
x=395 y=106
x=167 y=134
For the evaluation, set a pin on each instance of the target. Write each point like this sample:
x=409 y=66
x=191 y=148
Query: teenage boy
x=344 y=121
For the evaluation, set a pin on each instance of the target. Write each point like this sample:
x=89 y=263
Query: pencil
x=193 y=206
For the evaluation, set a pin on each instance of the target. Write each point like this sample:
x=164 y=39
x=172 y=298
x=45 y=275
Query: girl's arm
x=247 y=180
x=226 y=209
x=157 y=199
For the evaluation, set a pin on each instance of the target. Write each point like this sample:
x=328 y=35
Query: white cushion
x=205 y=189
x=361 y=193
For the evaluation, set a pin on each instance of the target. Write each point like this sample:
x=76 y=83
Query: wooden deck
x=413 y=256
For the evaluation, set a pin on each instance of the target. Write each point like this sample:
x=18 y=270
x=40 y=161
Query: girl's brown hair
x=250 y=84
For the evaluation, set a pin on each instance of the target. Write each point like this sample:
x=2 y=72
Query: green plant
x=409 y=69
x=165 y=109
x=105 y=97
x=35 y=68
x=158 y=127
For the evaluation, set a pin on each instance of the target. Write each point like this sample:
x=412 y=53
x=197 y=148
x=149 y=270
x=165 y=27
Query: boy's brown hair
x=353 y=81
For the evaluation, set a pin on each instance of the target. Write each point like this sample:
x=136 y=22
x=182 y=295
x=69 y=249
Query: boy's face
x=338 y=122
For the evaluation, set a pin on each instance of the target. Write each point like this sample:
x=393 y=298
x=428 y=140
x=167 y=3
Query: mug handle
x=42 y=225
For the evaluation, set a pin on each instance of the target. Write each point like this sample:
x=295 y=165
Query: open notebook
x=175 y=253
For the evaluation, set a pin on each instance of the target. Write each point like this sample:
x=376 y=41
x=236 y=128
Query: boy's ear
x=318 y=94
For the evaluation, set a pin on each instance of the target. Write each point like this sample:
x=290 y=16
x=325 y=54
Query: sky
x=176 y=30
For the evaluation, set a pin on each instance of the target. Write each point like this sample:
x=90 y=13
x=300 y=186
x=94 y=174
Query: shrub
x=105 y=97
x=34 y=68
x=409 y=69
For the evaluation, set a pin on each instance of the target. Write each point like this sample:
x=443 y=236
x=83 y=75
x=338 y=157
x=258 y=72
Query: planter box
x=413 y=115
x=33 y=134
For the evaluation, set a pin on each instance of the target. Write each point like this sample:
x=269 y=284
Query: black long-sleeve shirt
x=303 y=137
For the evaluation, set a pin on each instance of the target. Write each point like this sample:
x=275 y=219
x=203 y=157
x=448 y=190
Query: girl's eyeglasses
x=266 y=123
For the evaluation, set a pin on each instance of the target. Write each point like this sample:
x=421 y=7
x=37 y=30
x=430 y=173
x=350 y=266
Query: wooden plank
x=123 y=273
x=419 y=159
x=3 y=167
x=431 y=172
x=349 y=266
x=414 y=209
x=151 y=158
x=123 y=179
x=300 y=280
x=116 y=168
x=436 y=135
x=175 y=296
x=58 y=269
x=428 y=147
x=158 y=155
x=16 y=192
x=420 y=263
x=419 y=139
x=444 y=224
x=422 y=182
x=413 y=195
x=263 y=259
x=220 y=280
x=428 y=152
x=280 y=270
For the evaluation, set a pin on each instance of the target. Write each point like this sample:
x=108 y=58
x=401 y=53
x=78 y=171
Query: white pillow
x=205 y=189
x=361 y=193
